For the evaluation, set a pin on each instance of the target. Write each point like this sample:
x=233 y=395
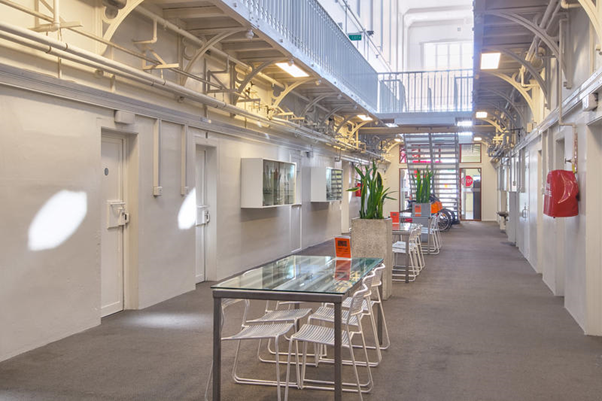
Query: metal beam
x=592 y=12
x=422 y=129
x=313 y=102
x=192 y=12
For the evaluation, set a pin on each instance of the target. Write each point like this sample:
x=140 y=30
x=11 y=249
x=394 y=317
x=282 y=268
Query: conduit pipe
x=566 y=5
x=56 y=21
x=63 y=50
x=559 y=94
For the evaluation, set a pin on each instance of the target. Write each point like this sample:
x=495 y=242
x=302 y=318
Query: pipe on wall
x=60 y=49
x=561 y=124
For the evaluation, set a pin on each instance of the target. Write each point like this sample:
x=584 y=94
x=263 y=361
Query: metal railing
x=309 y=27
x=425 y=91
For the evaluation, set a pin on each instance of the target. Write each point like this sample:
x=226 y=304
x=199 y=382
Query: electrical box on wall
x=561 y=194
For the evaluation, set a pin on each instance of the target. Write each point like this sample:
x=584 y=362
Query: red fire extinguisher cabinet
x=561 y=195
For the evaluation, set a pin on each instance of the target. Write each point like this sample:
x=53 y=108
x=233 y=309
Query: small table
x=293 y=278
x=404 y=230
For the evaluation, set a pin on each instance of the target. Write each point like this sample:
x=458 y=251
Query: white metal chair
x=256 y=331
x=432 y=231
x=415 y=258
x=326 y=314
x=321 y=335
x=377 y=282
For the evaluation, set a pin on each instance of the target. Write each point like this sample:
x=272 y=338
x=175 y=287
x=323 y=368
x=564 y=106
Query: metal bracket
x=493 y=124
x=111 y=23
x=313 y=103
x=516 y=85
x=201 y=52
x=253 y=74
x=511 y=102
x=288 y=89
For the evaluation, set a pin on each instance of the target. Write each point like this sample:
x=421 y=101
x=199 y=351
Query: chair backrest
x=227 y=302
x=357 y=300
x=367 y=281
x=378 y=275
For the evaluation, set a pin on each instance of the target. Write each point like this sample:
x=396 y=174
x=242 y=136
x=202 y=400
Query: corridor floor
x=478 y=324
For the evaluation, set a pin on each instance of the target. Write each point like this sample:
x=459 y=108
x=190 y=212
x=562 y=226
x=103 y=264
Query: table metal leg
x=379 y=314
x=338 y=362
x=407 y=258
x=217 y=348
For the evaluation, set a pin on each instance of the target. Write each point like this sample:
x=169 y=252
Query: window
x=447 y=55
x=470 y=153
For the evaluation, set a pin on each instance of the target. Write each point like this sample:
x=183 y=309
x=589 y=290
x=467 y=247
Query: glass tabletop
x=313 y=274
x=406 y=227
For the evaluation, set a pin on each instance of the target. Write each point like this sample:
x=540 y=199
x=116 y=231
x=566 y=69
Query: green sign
x=355 y=36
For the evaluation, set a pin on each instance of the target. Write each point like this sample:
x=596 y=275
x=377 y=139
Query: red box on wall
x=560 y=199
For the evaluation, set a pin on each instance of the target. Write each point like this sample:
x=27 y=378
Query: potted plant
x=422 y=205
x=371 y=234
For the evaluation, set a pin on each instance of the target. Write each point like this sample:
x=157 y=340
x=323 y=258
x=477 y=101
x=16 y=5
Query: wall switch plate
x=157 y=191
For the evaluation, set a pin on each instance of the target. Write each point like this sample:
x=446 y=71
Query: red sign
x=468 y=181
x=342 y=247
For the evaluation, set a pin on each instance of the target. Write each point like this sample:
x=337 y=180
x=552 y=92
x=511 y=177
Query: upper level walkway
x=478 y=325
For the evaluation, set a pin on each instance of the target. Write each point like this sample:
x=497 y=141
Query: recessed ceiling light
x=364 y=117
x=481 y=114
x=464 y=123
x=293 y=70
x=391 y=125
x=477 y=138
x=490 y=61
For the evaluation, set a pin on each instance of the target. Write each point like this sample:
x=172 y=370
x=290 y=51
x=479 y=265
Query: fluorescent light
x=364 y=117
x=464 y=123
x=481 y=114
x=293 y=70
x=465 y=133
x=490 y=61
x=391 y=125
x=477 y=138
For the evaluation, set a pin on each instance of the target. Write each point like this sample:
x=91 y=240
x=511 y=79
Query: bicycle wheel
x=445 y=220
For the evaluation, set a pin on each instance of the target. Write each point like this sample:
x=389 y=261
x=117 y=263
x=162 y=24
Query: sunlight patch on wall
x=187 y=214
x=57 y=220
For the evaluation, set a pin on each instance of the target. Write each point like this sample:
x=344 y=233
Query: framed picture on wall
x=470 y=153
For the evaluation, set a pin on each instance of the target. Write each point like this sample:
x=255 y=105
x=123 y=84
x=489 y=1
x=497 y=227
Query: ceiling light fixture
x=364 y=117
x=464 y=123
x=391 y=125
x=490 y=61
x=478 y=138
x=481 y=114
x=292 y=70
x=397 y=139
x=465 y=133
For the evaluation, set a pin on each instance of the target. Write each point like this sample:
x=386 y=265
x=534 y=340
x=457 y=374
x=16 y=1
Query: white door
x=113 y=218
x=297 y=210
x=524 y=206
x=202 y=212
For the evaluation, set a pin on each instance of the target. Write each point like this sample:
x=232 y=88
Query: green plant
x=422 y=182
x=373 y=193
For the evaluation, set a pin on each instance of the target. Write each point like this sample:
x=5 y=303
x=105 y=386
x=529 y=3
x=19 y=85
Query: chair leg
x=234 y=375
x=277 y=368
x=288 y=370
x=387 y=341
x=370 y=380
x=357 y=376
x=379 y=355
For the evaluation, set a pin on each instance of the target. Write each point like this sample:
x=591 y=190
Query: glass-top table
x=311 y=274
x=293 y=278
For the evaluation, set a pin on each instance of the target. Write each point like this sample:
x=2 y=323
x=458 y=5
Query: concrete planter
x=374 y=239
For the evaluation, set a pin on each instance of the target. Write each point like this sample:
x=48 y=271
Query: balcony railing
x=425 y=91
x=309 y=27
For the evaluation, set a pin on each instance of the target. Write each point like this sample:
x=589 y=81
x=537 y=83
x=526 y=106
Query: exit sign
x=355 y=36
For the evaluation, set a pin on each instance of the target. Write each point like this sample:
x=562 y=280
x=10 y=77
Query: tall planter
x=373 y=239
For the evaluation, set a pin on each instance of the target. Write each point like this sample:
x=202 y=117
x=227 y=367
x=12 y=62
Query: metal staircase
x=440 y=153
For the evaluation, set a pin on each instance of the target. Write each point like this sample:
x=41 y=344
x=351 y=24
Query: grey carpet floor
x=478 y=324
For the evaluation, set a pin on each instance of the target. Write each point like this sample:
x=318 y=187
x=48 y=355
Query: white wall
x=49 y=143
